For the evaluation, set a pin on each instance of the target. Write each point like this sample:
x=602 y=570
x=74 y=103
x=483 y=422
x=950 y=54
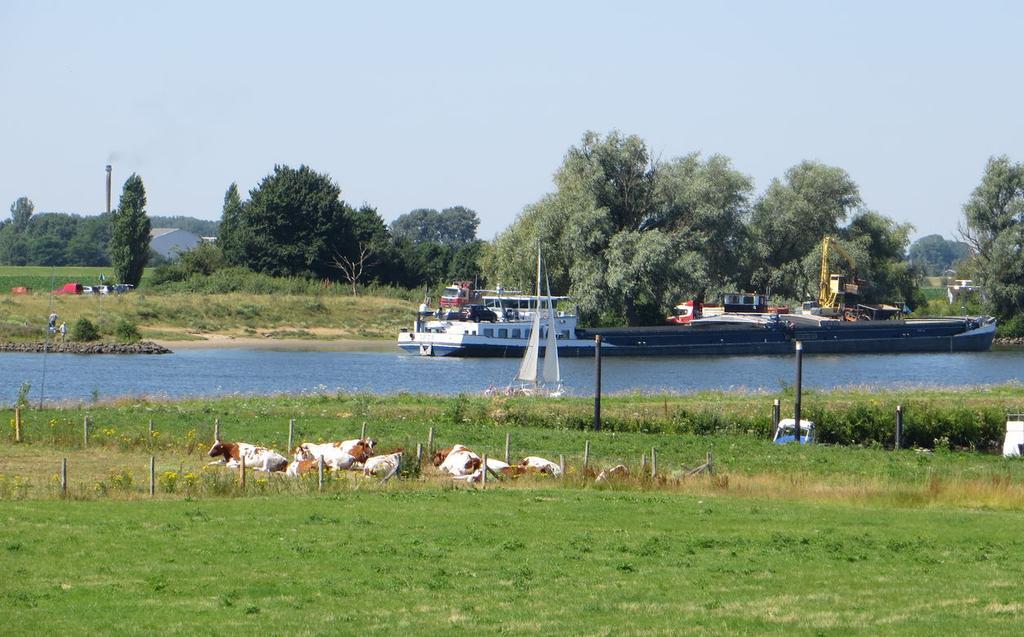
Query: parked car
x=121 y=288
x=478 y=313
x=87 y=289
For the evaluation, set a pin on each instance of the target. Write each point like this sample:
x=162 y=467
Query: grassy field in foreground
x=504 y=562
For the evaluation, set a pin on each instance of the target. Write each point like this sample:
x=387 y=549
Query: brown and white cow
x=256 y=458
x=337 y=455
x=300 y=467
x=457 y=460
x=382 y=465
x=536 y=464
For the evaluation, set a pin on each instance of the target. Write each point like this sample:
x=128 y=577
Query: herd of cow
x=459 y=462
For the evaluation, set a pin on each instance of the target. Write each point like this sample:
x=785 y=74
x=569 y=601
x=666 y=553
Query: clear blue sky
x=431 y=104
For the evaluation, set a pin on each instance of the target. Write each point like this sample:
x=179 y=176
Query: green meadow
x=812 y=540
x=545 y=561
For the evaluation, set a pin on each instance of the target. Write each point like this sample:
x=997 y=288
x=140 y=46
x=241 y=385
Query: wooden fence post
x=17 y=424
x=419 y=454
x=151 y=428
x=899 y=426
x=654 y=462
x=152 y=476
x=483 y=478
x=430 y=441
x=85 y=431
x=710 y=463
x=508 y=443
x=362 y=434
x=776 y=414
x=291 y=435
x=320 y=473
x=643 y=462
x=241 y=473
x=586 y=454
x=64 y=477
x=216 y=429
x=561 y=463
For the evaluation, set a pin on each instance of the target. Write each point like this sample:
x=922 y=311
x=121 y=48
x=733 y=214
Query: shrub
x=127 y=332
x=1012 y=328
x=83 y=330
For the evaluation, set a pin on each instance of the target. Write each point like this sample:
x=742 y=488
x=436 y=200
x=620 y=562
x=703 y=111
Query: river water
x=213 y=372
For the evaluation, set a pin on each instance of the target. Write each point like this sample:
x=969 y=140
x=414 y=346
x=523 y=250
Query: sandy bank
x=222 y=341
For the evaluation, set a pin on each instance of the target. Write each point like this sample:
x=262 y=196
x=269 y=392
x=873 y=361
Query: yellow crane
x=833 y=288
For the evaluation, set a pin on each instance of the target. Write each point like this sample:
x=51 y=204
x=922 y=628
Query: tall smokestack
x=108 y=189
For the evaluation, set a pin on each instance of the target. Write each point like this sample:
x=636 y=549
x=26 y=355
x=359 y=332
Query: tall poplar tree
x=229 y=236
x=129 y=233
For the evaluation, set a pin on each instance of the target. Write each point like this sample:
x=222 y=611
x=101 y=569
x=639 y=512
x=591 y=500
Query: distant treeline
x=61 y=239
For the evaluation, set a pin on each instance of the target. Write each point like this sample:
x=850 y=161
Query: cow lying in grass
x=536 y=464
x=457 y=461
x=300 y=467
x=337 y=455
x=256 y=458
x=382 y=465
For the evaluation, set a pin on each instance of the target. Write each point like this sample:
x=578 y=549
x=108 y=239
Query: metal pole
x=17 y=424
x=63 y=477
x=85 y=431
x=899 y=426
x=597 y=383
x=362 y=433
x=776 y=414
x=483 y=478
x=320 y=473
x=799 y=382
x=152 y=476
x=291 y=435
x=508 y=443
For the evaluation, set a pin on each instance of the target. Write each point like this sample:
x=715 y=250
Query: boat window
x=490 y=332
x=749 y=300
x=515 y=333
x=502 y=333
x=564 y=334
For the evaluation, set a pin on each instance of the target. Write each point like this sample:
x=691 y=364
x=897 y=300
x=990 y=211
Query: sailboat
x=550 y=381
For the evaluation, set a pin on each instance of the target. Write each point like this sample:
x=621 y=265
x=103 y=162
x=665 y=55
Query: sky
x=433 y=104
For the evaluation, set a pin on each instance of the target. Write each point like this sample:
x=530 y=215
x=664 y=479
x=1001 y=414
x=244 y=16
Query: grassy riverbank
x=683 y=429
x=822 y=539
x=182 y=316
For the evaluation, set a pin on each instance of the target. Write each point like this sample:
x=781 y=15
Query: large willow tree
x=628 y=237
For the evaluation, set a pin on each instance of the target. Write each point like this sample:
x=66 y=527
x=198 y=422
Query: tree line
x=625 y=235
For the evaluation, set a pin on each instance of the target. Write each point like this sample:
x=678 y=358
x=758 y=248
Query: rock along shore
x=142 y=347
x=1009 y=340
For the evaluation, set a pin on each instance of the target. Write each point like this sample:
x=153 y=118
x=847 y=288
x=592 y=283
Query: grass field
x=40 y=278
x=507 y=562
x=816 y=540
x=175 y=315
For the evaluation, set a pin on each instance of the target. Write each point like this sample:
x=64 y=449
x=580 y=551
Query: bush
x=127 y=332
x=1012 y=328
x=83 y=330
